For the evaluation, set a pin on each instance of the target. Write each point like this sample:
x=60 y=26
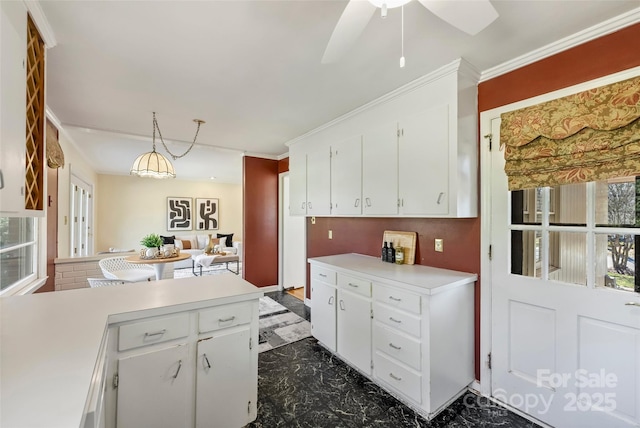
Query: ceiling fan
x=470 y=16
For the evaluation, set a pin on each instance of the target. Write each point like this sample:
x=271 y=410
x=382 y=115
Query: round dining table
x=158 y=264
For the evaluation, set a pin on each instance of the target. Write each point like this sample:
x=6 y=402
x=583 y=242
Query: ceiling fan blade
x=470 y=16
x=355 y=17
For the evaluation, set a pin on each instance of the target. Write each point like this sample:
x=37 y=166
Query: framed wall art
x=179 y=214
x=206 y=214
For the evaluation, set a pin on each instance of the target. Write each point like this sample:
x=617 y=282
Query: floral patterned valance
x=592 y=135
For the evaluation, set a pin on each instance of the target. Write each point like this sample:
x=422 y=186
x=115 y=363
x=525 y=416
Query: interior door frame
x=486 y=117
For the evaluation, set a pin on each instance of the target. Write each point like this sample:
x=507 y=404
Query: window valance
x=592 y=135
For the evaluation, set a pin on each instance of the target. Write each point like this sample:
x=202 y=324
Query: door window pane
x=568 y=205
x=616 y=261
x=526 y=252
x=616 y=202
x=568 y=257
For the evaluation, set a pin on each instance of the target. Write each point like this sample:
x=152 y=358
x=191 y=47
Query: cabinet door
x=226 y=392
x=13 y=39
x=354 y=330
x=424 y=163
x=380 y=170
x=323 y=313
x=319 y=181
x=297 y=180
x=346 y=177
x=153 y=389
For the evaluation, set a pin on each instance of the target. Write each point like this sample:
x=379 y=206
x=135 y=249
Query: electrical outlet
x=313 y=220
x=440 y=245
x=331 y=234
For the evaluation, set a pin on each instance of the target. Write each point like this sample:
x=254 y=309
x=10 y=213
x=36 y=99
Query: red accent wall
x=283 y=165
x=260 y=223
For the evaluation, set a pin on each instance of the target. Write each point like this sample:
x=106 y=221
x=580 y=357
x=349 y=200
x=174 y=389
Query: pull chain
x=402 y=39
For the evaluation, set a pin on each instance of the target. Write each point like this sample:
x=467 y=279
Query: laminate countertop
x=422 y=279
x=49 y=342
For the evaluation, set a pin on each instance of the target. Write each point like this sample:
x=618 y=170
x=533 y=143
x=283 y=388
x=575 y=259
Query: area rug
x=211 y=270
x=279 y=326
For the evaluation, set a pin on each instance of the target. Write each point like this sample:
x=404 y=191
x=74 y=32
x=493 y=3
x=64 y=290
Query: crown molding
x=606 y=27
x=458 y=65
x=40 y=19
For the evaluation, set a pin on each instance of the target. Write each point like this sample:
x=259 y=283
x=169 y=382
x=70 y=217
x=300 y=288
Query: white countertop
x=49 y=342
x=423 y=279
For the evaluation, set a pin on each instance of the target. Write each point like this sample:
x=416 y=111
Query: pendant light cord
x=155 y=126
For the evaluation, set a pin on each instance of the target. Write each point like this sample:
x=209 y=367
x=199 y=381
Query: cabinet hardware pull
x=1 y=180
x=157 y=333
x=175 y=376
x=342 y=305
x=440 y=197
x=392 y=376
x=330 y=302
x=632 y=304
x=309 y=205
x=357 y=202
x=395 y=299
x=368 y=202
x=226 y=319
x=395 y=347
x=322 y=275
x=206 y=360
x=395 y=320
x=353 y=285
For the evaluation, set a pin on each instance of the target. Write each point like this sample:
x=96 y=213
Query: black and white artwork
x=206 y=214
x=179 y=214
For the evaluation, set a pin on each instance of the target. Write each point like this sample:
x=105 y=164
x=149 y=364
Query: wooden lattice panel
x=34 y=180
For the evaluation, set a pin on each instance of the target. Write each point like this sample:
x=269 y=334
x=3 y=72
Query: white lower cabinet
x=323 y=321
x=408 y=328
x=195 y=368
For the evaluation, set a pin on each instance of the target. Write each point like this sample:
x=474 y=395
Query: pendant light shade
x=154 y=165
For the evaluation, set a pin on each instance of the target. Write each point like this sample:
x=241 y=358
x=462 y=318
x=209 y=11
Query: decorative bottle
x=391 y=254
x=384 y=251
x=399 y=255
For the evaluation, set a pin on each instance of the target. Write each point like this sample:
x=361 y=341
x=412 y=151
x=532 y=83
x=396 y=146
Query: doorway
x=293 y=251
x=564 y=338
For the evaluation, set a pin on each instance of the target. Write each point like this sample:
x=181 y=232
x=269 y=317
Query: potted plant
x=152 y=242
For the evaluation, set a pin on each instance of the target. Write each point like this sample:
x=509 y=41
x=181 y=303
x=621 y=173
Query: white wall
x=130 y=207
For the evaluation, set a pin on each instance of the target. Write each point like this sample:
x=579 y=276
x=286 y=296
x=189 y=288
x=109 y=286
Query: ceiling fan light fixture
x=388 y=4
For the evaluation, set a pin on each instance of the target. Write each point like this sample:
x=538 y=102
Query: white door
x=294 y=244
x=565 y=347
x=224 y=393
x=346 y=177
x=81 y=218
x=380 y=170
x=323 y=313
x=153 y=389
x=319 y=180
x=298 y=180
x=354 y=330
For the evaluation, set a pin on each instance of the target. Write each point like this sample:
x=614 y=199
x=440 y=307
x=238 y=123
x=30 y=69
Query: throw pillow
x=168 y=239
x=186 y=245
x=229 y=241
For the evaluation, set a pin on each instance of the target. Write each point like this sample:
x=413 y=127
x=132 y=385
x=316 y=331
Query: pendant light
x=155 y=165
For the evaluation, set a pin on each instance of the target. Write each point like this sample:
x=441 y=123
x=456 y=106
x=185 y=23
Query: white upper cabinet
x=319 y=180
x=346 y=177
x=424 y=163
x=417 y=155
x=380 y=170
x=13 y=45
x=297 y=180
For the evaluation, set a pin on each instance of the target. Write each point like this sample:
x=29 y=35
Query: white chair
x=101 y=282
x=119 y=268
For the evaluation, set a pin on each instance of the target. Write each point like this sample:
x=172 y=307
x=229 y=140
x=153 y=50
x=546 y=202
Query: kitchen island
x=56 y=348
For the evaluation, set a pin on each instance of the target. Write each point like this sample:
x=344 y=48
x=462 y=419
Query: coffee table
x=207 y=260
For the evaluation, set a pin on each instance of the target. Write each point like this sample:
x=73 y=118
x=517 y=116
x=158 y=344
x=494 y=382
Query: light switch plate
x=439 y=245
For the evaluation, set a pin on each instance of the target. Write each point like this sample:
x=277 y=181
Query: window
x=18 y=251
x=586 y=234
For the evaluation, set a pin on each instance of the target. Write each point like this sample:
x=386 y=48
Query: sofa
x=195 y=245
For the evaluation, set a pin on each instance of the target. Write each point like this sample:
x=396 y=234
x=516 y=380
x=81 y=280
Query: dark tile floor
x=303 y=385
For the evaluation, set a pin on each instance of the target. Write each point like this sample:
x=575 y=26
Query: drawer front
x=322 y=274
x=400 y=299
x=355 y=285
x=401 y=379
x=402 y=321
x=224 y=317
x=397 y=345
x=153 y=331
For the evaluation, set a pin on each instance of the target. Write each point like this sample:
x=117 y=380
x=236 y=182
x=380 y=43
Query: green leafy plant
x=151 y=241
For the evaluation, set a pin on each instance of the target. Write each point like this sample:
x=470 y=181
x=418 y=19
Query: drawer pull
x=157 y=333
x=392 y=376
x=395 y=347
x=395 y=299
x=395 y=320
x=175 y=376
x=220 y=320
x=353 y=285
x=206 y=360
x=322 y=275
x=342 y=305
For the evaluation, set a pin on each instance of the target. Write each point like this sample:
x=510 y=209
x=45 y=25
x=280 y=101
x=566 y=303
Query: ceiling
x=252 y=69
